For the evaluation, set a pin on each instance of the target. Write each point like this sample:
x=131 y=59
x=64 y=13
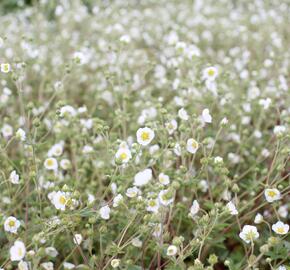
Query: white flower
x=125 y=39
x=51 y=164
x=171 y=126
x=14 y=178
x=123 y=154
x=142 y=178
x=272 y=194
x=177 y=149
x=65 y=164
x=280 y=228
x=203 y=185
x=21 y=135
x=145 y=135
x=80 y=58
x=22 y=265
x=171 y=250
x=232 y=208
x=258 y=218
x=224 y=121
x=56 y=150
x=279 y=130
x=105 y=212
x=47 y=265
x=191 y=146
x=282 y=267
x=117 y=200
x=11 y=224
x=67 y=265
x=205 y=116
x=7 y=131
x=67 y=111
x=87 y=149
x=218 y=160
x=163 y=179
x=152 y=205
x=194 y=208
x=78 y=238
x=182 y=114
x=51 y=251
x=5 y=67
x=115 y=263
x=136 y=242
x=132 y=192
x=17 y=251
x=265 y=103
x=154 y=149
x=165 y=197
x=60 y=199
x=249 y=233
x=210 y=73
x=283 y=211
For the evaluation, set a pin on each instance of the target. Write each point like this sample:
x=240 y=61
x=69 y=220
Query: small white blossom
x=123 y=154
x=11 y=224
x=280 y=228
x=14 y=178
x=205 y=116
x=152 y=205
x=5 y=67
x=210 y=73
x=258 y=218
x=272 y=194
x=182 y=114
x=78 y=238
x=51 y=164
x=192 y=146
x=7 y=131
x=17 y=251
x=171 y=250
x=105 y=212
x=132 y=192
x=171 y=126
x=232 y=208
x=165 y=197
x=47 y=265
x=20 y=135
x=117 y=200
x=115 y=263
x=194 y=209
x=142 y=178
x=60 y=199
x=163 y=179
x=249 y=233
x=145 y=136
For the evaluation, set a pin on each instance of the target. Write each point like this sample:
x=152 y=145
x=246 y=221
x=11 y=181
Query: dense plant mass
x=145 y=135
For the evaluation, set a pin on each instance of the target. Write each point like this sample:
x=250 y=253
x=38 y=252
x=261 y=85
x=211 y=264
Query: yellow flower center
x=271 y=193
x=11 y=223
x=62 y=200
x=49 y=162
x=19 y=251
x=123 y=156
x=210 y=72
x=145 y=136
x=250 y=235
x=280 y=230
x=152 y=203
x=194 y=144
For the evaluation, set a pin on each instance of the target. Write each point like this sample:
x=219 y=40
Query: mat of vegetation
x=145 y=135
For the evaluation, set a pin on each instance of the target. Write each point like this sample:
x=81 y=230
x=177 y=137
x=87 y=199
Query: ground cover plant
x=144 y=135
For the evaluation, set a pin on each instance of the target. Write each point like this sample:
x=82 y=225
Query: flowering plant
x=145 y=135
